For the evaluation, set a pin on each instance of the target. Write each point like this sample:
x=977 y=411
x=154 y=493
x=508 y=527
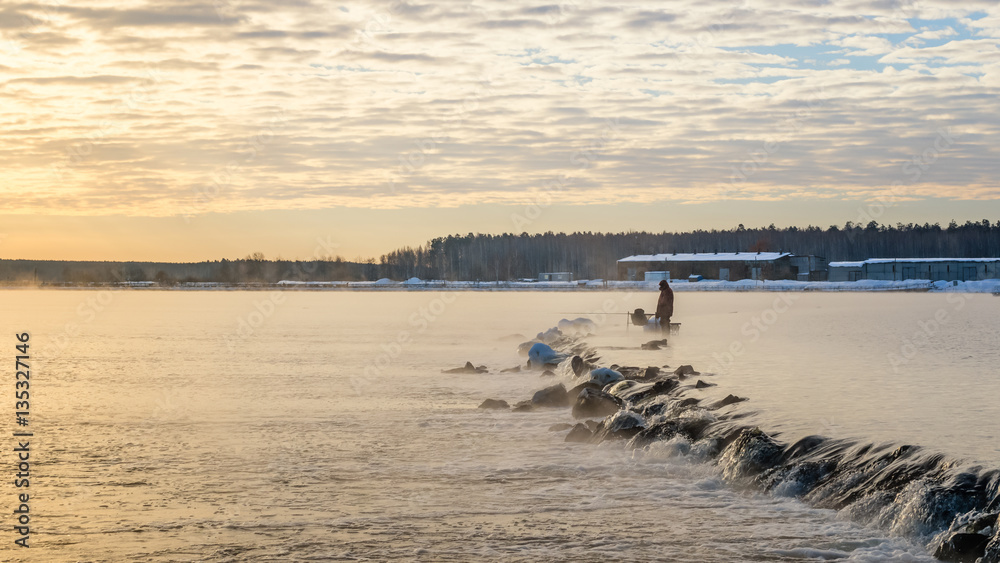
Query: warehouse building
x=934 y=269
x=710 y=265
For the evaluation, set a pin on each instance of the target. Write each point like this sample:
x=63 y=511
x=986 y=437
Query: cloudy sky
x=185 y=131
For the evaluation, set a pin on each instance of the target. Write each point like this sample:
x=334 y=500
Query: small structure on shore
x=933 y=269
x=555 y=277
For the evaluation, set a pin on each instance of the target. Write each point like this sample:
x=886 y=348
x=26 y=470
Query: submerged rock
x=548 y=373
x=685 y=370
x=702 y=385
x=963 y=548
x=524 y=406
x=594 y=403
x=654 y=344
x=603 y=376
x=579 y=433
x=514 y=369
x=622 y=425
x=729 y=400
x=467 y=368
x=494 y=404
x=555 y=396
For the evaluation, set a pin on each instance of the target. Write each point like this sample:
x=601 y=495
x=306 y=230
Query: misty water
x=183 y=426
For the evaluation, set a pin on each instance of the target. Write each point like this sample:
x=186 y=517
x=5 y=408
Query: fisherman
x=665 y=306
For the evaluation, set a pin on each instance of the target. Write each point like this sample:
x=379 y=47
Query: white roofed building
x=710 y=265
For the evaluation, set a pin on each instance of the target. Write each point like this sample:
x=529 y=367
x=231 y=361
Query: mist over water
x=294 y=425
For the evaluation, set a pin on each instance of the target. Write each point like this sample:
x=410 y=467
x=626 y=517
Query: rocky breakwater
x=951 y=508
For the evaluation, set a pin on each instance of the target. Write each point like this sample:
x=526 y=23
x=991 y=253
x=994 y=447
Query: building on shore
x=710 y=265
x=555 y=277
x=933 y=269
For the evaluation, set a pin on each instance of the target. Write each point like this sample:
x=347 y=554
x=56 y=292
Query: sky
x=186 y=131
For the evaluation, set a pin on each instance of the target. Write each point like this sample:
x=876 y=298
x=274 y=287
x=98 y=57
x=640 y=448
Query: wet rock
x=467 y=368
x=644 y=391
x=963 y=548
x=992 y=554
x=514 y=369
x=579 y=433
x=524 y=406
x=654 y=344
x=494 y=404
x=749 y=455
x=659 y=431
x=555 y=396
x=652 y=372
x=685 y=370
x=689 y=402
x=548 y=373
x=575 y=392
x=702 y=385
x=620 y=387
x=578 y=365
x=622 y=425
x=593 y=425
x=594 y=403
x=729 y=400
x=603 y=376
x=560 y=427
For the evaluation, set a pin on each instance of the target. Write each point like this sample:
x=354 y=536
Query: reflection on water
x=249 y=426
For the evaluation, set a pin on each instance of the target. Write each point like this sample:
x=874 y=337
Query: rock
x=524 y=406
x=622 y=425
x=654 y=344
x=593 y=403
x=578 y=365
x=729 y=400
x=702 y=385
x=643 y=391
x=689 y=402
x=579 y=433
x=467 y=368
x=560 y=427
x=619 y=387
x=548 y=373
x=575 y=392
x=555 y=396
x=652 y=372
x=685 y=370
x=514 y=369
x=592 y=425
x=992 y=554
x=660 y=431
x=541 y=354
x=603 y=376
x=963 y=548
x=549 y=336
x=494 y=404
x=525 y=347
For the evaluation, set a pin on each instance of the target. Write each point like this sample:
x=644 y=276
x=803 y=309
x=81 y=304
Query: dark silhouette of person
x=665 y=305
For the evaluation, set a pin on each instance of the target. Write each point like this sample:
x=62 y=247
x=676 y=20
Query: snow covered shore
x=983 y=286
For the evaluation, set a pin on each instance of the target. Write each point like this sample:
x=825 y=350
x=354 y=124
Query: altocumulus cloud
x=147 y=108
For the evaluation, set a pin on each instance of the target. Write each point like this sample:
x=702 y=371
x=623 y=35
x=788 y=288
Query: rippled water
x=177 y=426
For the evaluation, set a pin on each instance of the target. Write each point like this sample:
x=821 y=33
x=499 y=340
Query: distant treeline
x=510 y=257
x=252 y=269
x=594 y=255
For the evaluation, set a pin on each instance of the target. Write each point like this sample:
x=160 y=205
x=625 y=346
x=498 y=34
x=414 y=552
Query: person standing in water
x=665 y=306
